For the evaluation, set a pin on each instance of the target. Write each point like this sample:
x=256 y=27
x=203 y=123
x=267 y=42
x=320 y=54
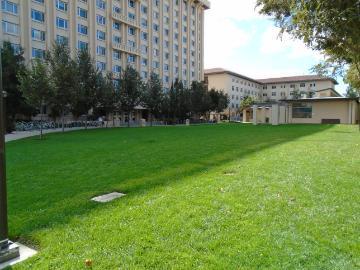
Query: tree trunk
x=62 y=121
x=41 y=122
x=86 y=117
x=151 y=119
x=113 y=119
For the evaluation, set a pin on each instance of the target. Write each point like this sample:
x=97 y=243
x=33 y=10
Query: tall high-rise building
x=161 y=36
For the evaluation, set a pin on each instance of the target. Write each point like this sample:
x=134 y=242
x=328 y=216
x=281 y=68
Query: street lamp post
x=8 y=250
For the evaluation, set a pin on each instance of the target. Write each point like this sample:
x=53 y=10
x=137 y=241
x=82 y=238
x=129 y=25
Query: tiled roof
x=224 y=71
x=292 y=79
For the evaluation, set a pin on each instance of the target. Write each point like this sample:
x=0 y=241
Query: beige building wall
x=284 y=90
x=236 y=87
x=347 y=111
x=161 y=36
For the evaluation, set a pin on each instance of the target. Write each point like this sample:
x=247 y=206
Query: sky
x=239 y=39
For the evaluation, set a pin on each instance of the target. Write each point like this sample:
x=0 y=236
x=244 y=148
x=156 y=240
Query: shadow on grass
x=51 y=182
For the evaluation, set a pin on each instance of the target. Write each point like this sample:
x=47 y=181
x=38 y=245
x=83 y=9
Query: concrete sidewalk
x=17 y=135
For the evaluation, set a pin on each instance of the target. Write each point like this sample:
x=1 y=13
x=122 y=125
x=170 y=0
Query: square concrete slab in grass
x=108 y=197
x=25 y=253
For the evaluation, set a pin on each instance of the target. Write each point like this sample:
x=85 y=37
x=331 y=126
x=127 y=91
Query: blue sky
x=239 y=39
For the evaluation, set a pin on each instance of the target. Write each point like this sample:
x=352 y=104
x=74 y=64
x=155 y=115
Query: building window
x=100 y=50
x=82 y=12
x=100 y=4
x=10 y=28
x=131 y=58
x=38 y=53
x=61 y=5
x=62 y=40
x=82 y=45
x=116 y=55
x=100 y=19
x=100 y=35
x=9 y=7
x=116 y=25
x=131 y=3
x=82 y=29
x=101 y=66
x=37 y=35
x=301 y=110
x=37 y=15
x=131 y=31
x=61 y=23
x=116 y=69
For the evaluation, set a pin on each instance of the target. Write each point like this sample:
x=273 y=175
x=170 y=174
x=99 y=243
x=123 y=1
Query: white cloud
x=272 y=43
x=228 y=43
x=223 y=36
x=222 y=40
x=233 y=9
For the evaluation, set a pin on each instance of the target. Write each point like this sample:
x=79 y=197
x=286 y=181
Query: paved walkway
x=17 y=135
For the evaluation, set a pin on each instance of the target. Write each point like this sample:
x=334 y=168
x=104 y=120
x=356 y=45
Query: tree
x=36 y=87
x=153 y=96
x=329 y=26
x=131 y=90
x=296 y=94
x=219 y=100
x=200 y=99
x=183 y=107
x=83 y=97
x=352 y=93
x=63 y=74
x=107 y=97
x=246 y=102
x=353 y=79
x=13 y=64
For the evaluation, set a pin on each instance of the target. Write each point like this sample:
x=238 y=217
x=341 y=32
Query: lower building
x=320 y=110
x=296 y=99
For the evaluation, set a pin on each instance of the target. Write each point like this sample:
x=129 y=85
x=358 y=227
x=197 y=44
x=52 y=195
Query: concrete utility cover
x=108 y=197
x=25 y=253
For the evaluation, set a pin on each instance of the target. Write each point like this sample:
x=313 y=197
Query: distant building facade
x=161 y=36
x=238 y=87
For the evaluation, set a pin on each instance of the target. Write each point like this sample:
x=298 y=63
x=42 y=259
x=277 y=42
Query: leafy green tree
x=353 y=79
x=131 y=91
x=352 y=93
x=246 y=102
x=107 y=97
x=13 y=64
x=200 y=99
x=36 y=87
x=83 y=96
x=153 y=96
x=183 y=108
x=219 y=100
x=63 y=74
x=330 y=26
x=296 y=94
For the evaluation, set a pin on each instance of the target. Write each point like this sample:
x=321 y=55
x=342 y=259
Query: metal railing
x=125 y=19
x=126 y=48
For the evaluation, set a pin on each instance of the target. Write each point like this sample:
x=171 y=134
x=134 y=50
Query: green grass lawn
x=200 y=197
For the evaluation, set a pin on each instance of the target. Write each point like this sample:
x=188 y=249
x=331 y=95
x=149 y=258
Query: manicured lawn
x=201 y=197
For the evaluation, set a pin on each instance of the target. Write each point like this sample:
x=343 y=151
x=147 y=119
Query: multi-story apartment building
x=238 y=86
x=275 y=89
x=161 y=36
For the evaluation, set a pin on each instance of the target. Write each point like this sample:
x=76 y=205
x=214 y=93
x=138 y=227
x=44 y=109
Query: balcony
x=126 y=48
x=125 y=19
x=205 y=3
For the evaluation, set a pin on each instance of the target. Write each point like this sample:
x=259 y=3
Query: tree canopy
x=330 y=26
